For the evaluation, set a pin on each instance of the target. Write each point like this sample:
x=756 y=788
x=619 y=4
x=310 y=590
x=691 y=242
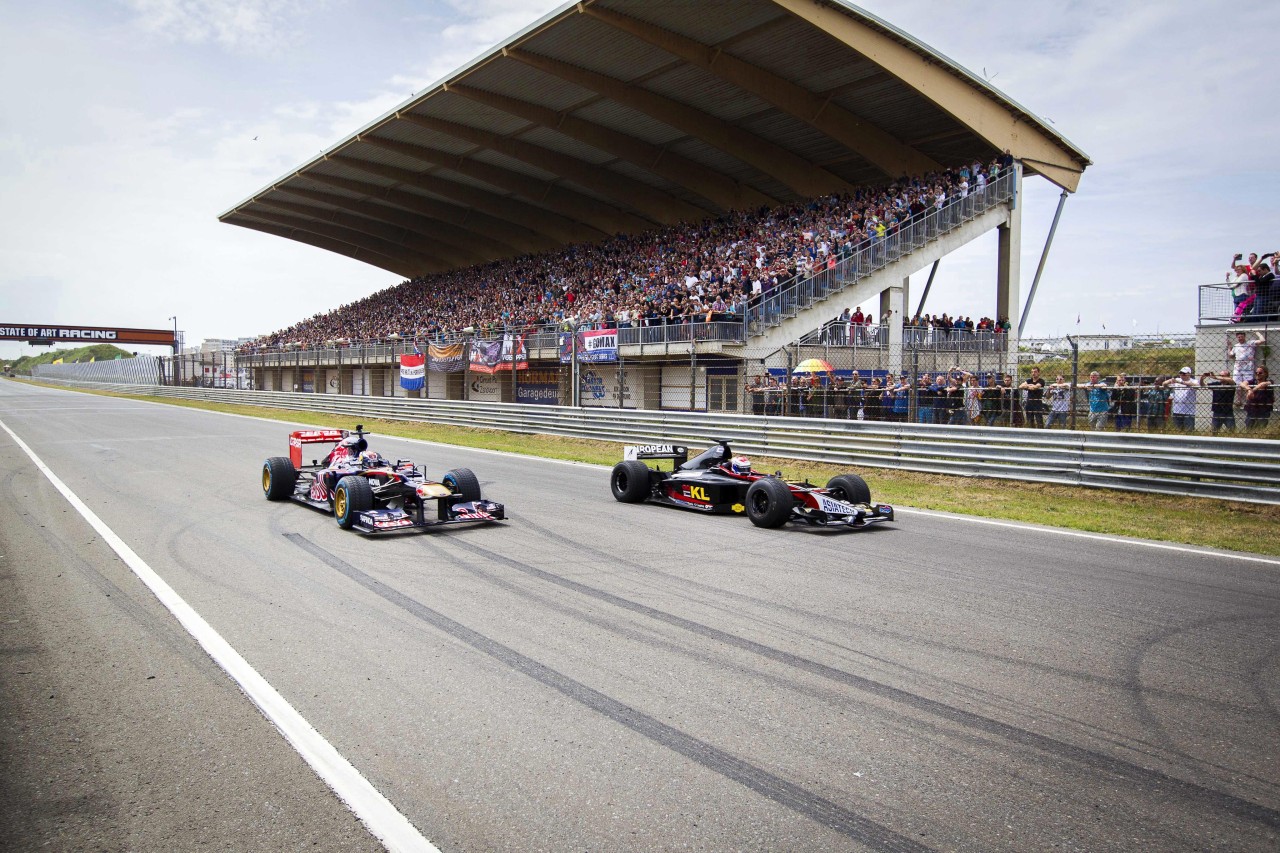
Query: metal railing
x=1220 y=304
x=1222 y=468
x=837 y=333
x=873 y=255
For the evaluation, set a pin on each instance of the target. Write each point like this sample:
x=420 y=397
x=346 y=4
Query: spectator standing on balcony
x=1266 y=304
x=1124 y=402
x=1260 y=400
x=1059 y=392
x=1222 y=389
x=1240 y=277
x=1034 y=386
x=1182 y=391
x=1099 y=401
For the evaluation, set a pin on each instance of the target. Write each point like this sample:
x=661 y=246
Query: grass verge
x=1192 y=521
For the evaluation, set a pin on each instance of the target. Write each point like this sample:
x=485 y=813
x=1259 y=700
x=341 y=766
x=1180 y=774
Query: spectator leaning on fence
x=1259 y=400
x=1182 y=395
x=1099 y=401
x=1151 y=404
x=1222 y=406
x=1034 y=386
x=1059 y=392
x=1124 y=402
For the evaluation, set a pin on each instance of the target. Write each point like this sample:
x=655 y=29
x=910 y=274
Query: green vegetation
x=1195 y=521
x=97 y=352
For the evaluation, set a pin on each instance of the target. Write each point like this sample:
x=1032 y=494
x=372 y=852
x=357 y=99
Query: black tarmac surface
x=598 y=676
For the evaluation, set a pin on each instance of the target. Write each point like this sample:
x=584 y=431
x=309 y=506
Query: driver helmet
x=740 y=465
x=371 y=459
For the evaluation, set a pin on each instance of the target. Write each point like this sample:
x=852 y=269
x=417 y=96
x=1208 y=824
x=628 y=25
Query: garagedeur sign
x=84 y=334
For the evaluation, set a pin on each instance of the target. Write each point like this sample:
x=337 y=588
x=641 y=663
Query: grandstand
x=611 y=125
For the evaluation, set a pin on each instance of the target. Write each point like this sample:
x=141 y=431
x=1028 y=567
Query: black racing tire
x=769 y=502
x=352 y=496
x=463 y=483
x=279 y=478
x=849 y=488
x=629 y=481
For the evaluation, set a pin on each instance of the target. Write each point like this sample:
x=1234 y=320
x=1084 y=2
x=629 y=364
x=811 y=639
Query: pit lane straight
x=592 y=675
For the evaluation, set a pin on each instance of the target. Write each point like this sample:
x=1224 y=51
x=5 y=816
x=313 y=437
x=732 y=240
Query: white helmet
x=740 y=465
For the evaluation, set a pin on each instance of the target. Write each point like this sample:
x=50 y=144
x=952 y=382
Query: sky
x=129 y=125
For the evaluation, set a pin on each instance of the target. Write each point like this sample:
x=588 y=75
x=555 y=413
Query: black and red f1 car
x=370 y=494
x=716 y=481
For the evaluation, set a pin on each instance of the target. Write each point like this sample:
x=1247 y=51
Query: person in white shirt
x=1183 y=399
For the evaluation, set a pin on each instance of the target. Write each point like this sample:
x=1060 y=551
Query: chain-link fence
x=1214 y=380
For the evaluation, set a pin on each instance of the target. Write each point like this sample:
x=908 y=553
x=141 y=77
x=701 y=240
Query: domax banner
x=413 y=371
x=598 y=345
x=493 y=356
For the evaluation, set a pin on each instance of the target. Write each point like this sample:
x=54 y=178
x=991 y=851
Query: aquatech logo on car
x=831 y=506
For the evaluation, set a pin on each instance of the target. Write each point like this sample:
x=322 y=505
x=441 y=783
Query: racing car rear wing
x=299 y=437
x=657 y=451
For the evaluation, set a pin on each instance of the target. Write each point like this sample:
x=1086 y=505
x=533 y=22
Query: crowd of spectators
x=957 y=397
x=1253 y=287
x=865 y=329
x=691 y=272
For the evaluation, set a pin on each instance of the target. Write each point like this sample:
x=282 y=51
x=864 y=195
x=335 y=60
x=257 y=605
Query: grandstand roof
x=619 y=116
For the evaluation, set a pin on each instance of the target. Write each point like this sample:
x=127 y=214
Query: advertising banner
x=413 y=372
x=46 y=333
x=594 y=346
x=494 y=356
x=450 y=358
x=539 y=387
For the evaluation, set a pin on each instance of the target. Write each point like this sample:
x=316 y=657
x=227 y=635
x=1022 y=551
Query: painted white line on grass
x=377 y=813
x=972 y=519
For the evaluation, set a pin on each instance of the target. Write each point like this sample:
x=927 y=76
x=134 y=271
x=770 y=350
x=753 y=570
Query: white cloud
x=251 y=25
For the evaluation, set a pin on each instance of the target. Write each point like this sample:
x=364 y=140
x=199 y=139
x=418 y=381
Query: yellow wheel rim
x=340 y=503
x=266 y=479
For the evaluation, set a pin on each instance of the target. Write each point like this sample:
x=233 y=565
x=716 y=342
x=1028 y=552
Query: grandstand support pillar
x=1009 y=264
x=893 y=303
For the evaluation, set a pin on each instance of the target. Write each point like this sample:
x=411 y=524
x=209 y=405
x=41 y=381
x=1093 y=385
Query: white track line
x=971 y=519
x=1102 y=537
x=377 y=813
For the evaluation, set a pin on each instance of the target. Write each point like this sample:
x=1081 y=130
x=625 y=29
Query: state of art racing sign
x=84 y=334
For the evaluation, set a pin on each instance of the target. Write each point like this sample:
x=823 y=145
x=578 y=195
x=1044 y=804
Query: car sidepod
x=710 y=493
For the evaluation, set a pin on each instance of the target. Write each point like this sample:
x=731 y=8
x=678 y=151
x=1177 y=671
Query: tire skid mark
x=852 y=626
x=1155 y=781
x=832 y=696
x=827 y=813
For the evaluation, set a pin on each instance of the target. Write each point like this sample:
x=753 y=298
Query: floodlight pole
x=177 y=364
x=1044 y=256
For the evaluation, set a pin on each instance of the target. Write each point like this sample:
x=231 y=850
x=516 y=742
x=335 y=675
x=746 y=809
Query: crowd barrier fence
x=1194 y=466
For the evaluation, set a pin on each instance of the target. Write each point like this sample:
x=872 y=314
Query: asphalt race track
x=594 y=676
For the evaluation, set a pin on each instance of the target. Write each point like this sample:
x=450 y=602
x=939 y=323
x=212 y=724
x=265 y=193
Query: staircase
x=786 y=315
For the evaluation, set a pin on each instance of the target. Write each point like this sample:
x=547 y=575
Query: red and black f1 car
x=716 y=481
x=370 y=494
